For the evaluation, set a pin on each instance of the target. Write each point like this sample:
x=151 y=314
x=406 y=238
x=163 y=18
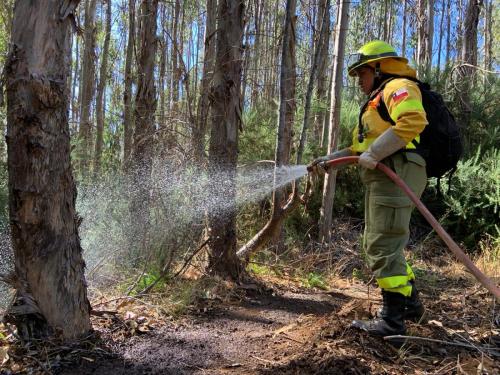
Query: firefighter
x=387 y=209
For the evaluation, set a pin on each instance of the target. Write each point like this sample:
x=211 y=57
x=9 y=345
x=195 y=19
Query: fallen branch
x=287 y=336
x=271 y=228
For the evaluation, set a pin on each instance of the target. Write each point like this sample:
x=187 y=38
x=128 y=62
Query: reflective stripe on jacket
x=403 y=100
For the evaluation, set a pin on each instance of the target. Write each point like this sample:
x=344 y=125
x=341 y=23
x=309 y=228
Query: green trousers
x=387 y=220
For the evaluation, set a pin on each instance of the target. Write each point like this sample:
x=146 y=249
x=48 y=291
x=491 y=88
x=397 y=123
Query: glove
x=319 y=165
x=385 y=145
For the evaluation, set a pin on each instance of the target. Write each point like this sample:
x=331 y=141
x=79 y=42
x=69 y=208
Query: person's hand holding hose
x=320 y=165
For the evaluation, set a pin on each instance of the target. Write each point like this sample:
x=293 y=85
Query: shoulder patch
x=400 y=94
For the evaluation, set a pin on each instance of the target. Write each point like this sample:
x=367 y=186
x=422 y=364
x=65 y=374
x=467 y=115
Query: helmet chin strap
x=379 y=78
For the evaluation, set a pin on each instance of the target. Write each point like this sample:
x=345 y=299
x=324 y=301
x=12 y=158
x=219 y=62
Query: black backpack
x=440 y=142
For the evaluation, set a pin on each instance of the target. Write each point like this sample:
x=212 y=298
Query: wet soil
x=290 y=330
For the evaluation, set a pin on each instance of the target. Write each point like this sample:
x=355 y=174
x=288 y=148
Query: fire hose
x=456 y=250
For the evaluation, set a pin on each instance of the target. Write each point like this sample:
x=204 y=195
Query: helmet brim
x=351 y=70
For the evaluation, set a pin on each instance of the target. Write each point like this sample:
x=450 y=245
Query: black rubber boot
x=391 y=320
x=415 y=310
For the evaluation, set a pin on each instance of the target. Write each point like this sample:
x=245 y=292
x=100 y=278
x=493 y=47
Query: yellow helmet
x=373 y=51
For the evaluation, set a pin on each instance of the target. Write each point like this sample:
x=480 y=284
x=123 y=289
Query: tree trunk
x=310 y=86
x=145 y=106
x=390 y=19
x=488 y=35
x=206 y=78
x=335 y=105
x=76 y=76
x=181 y=66
x=288 y=75
x=103 y=76
x=223 y=149
x=425 y=35
x=162 y=118
x=274 y=67
x=88 y=88
x=246 y=63
x=469 y=60
x=49 y=268
x=403 y=43
x=459 y=28
x=469 y=47
x=448 y=33
x=429 y=38
x=128 y=123
x=386 y=16
x=322 y=76
x=175 y=57
x=257 y=53
x=440 y=43
x=421 y=21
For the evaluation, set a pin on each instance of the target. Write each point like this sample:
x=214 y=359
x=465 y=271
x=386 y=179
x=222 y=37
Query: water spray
x=452 y=245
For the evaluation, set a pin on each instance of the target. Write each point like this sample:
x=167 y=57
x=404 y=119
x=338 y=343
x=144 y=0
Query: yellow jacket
x=403 y=100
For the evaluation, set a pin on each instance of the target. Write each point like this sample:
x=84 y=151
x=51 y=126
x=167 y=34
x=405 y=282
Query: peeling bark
x=48 y=257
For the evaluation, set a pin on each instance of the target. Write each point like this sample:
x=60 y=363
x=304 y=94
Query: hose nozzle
x=318 y=167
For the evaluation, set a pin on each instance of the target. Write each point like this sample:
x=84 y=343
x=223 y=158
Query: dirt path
x=285 y=331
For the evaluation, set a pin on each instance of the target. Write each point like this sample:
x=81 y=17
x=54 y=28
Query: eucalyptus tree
x=335 y=106
x=488 y=34
x=322 y=77
x=144 y=111
x=466 y=70
x=281 y=204
x=425 y=35
x=225 y=123
x=49 y=268
x=101 y=87
x=128 y=119
x=87 y=87
x=200 y=129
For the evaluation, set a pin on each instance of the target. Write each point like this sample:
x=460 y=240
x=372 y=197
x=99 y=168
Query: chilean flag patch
x=400 y=94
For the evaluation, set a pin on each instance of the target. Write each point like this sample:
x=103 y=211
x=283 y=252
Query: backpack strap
x=378 y=91
x=382 y=107
x=384 y=112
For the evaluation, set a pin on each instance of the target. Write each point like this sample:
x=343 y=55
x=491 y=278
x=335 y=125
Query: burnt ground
x=291 y=330
x=282 y=328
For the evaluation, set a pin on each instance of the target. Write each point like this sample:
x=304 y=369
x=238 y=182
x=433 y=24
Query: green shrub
x=473 y=203
x=258 y=140
x=315 y=280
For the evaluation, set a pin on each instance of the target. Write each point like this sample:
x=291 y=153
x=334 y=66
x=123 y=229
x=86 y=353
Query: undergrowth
x=472 y=206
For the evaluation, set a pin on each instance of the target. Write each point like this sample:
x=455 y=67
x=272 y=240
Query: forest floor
x=277 y=326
